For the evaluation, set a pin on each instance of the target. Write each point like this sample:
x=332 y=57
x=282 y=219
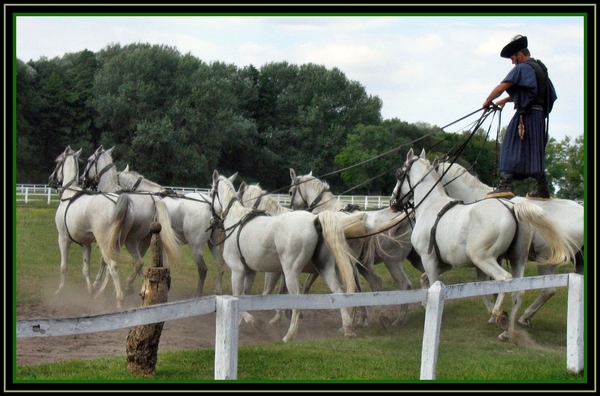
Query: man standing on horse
x=523 y=148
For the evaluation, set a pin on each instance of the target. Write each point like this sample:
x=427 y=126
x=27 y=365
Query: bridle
x=296 y=189
x=53 y=180
x=402 y=175
x=92 y=183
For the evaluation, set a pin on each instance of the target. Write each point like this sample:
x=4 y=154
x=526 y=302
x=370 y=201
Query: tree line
x=174 y=119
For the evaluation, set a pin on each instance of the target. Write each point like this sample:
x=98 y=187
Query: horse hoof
x=502 y=321
x=524 y=322
x=349 y=334
x=504 y=337
x=128 y=290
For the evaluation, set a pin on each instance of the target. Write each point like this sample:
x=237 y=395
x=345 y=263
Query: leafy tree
x=565 y=164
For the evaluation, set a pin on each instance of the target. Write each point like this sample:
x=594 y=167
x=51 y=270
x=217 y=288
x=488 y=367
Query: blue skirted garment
x=524 y=158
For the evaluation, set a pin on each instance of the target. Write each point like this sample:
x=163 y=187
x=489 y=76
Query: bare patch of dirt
x=190 y=333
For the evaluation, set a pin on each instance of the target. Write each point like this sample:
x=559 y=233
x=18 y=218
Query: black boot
x=505 y=189
x=542 y=191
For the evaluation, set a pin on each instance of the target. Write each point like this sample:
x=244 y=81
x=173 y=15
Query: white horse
x=85 y=218
x=190 y=214
x=392 y=246
x=101 y=173
x=447 y=232
x=567 y=214
x=355 y=228
x=287 y=243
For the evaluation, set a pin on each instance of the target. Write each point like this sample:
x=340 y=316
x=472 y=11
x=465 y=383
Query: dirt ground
x=190 y=333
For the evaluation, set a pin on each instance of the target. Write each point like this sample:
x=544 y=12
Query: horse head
x=97 y=165
x=222 y=194
x=402 y=194
x=306 y=191
x=66 y=172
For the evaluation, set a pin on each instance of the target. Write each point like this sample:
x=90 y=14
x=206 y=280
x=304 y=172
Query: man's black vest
x=543 y=85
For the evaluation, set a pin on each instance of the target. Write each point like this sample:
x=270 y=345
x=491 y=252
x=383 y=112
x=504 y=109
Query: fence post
x=26 y=194
x=575 y=323
x=431 y=335
x=49 y=196
x=142 y=342
x=227 y=337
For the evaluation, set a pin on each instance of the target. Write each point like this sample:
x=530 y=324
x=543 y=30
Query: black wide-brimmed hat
x=517 y=44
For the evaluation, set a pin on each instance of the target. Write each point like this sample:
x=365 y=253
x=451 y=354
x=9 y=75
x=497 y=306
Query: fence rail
x=40 y=192
x=227 y=309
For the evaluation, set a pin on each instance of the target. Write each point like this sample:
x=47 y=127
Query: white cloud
x=425 y=69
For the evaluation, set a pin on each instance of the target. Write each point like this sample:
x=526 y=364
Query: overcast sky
x=424 y=69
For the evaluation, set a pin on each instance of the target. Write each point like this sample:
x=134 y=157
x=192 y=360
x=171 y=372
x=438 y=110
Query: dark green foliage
x=175 y=119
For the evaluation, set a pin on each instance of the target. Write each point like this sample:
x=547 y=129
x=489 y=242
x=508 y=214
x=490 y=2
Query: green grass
x=469 y=349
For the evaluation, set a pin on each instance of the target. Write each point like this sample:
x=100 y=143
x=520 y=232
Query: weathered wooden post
x=142 y=342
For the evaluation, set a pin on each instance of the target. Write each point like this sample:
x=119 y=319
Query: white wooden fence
x=39 y=192
x=227 y=310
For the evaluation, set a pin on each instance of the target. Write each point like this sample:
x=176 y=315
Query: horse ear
x=126 y=169
x=422 y=153
x=292 y=174
x=215 y=176
x=99 y=149
x=110 y=149
x=410 y=154
x=232 y=177
x=78 y=153
x=435 y=163
x=242 y=189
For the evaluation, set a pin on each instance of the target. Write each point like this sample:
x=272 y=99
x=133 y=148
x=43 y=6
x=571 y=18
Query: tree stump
x=142 y=342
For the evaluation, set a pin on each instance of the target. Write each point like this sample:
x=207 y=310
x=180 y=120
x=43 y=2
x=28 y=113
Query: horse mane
x=455 y=171
x=312 y=183
x=135 y=175
x=229 y=194
x=268 y=203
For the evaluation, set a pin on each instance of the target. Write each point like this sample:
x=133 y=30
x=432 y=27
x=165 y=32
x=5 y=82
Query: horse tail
x=560 y=244
x=333 y=234
x=170 y=241
x=117 y=230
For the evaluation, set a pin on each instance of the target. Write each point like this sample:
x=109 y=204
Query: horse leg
x=360 y=314
x=63 y=245
x=545 y=295
x=249 y=281
x=99 y=275
x=292 y=282
x=271 y=279
x=395 y=266
x=112 y=269
x=201 y=267
x=489 y=305
x=86 y=251
x=134 y=249
x=237 y=286
x=330 y=277
x=220 y=264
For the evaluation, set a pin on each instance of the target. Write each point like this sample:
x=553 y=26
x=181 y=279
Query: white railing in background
x=39 y=192
x=227 y=310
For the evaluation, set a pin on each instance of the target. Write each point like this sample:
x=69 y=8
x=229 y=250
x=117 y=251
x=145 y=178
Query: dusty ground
x=189 y=333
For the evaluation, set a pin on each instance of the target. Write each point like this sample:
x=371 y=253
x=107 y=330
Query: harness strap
x=432 y=240
x=137 y=183
x=316 y=201
x=71 y=200
x=245 y=220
